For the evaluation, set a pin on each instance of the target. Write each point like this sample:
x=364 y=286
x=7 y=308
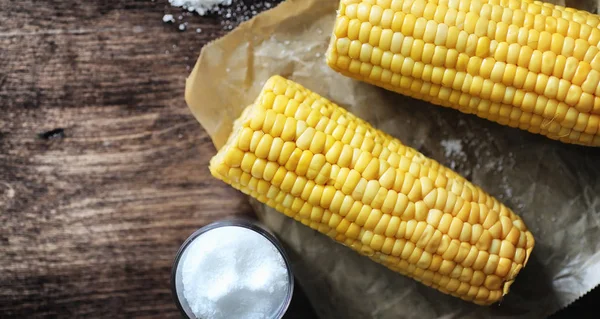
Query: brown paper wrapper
x=555 y=187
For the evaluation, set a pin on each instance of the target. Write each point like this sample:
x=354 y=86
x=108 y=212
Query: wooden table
x=103 y=170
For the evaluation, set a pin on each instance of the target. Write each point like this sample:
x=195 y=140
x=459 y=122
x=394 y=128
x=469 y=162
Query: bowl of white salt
x=232 y=269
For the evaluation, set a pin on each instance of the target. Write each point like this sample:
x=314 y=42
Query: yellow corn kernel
x=365 y=189
x=525 y=57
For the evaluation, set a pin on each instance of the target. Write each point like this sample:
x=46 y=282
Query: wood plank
x=103 y=171
x=93 y=214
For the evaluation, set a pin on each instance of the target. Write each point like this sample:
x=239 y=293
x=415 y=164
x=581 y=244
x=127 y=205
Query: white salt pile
x=233 y=272
x=230 y=13
x=200 y=6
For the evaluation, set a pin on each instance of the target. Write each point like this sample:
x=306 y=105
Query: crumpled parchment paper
x=555 y=187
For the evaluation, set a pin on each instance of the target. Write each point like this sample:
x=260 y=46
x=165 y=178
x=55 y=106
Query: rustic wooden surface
x=103 y=171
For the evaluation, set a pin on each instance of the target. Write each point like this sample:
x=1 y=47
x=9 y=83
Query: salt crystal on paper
x=452 y=147
x=233 y=272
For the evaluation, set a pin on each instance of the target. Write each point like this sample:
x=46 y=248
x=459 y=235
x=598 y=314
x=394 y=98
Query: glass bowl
x=176 y=276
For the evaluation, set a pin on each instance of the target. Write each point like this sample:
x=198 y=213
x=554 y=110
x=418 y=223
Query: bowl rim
x=253 y=225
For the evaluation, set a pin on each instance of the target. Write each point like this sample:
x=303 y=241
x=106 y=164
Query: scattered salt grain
x=230 y=13
x=182 y=27
x=168 y=18
x=233 y=272
x=199 y=30
x=452 y=147
x=452 y=164
x=200 y=6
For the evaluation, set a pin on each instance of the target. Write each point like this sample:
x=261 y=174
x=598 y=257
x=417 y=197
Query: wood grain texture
x=103 y=170
x=92 y=213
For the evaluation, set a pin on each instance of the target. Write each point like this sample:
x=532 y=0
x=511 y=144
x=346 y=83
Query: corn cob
x=525 y=64
x=319 y=164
